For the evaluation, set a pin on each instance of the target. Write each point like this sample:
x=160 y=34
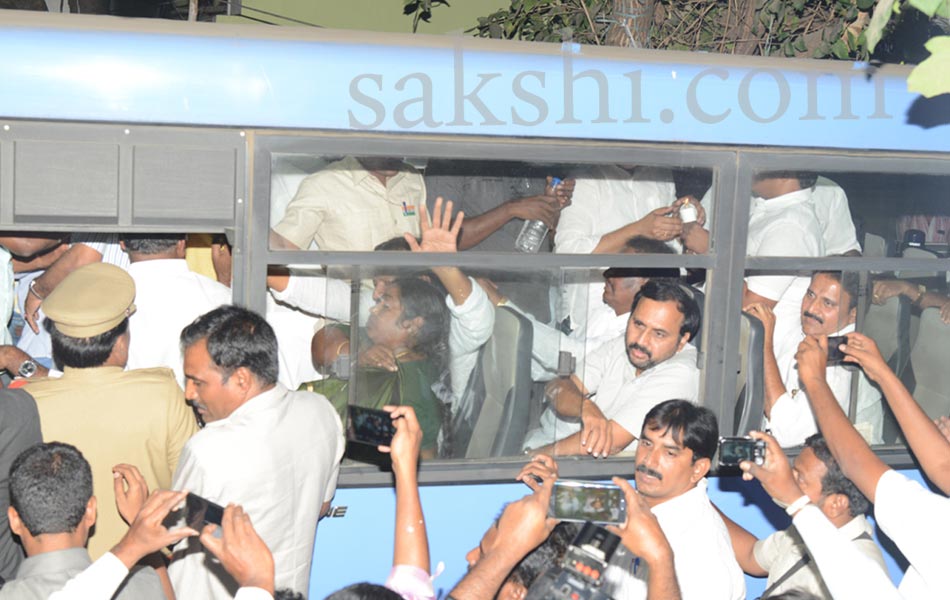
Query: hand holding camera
x=775 y=472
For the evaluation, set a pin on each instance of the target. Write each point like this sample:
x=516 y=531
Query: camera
x=734 y=450
x=580 y=574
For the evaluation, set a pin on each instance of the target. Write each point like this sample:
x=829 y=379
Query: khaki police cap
x=91 y=300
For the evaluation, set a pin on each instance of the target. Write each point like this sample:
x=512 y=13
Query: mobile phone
x=583 y=501
x=370 y=426
x=836 y=356
x=734 y=450
x=201 y=511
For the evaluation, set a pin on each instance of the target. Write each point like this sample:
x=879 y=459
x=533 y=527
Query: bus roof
x=94 y=68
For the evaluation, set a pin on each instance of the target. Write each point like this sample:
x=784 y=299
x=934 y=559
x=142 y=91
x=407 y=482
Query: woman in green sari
x=402 y=355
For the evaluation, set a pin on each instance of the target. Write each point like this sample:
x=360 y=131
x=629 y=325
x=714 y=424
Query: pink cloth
x=412 y=583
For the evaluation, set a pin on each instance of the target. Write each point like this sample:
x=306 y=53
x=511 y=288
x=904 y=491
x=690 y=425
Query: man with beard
x=676 y=446
x=627 y=376
x=828 y=308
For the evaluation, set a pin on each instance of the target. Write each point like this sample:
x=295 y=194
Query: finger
x=209 y=541
x=436 y=222
x=161 y=502
x=174 y=536
x=446 y=222
x=411 y=240
x=31 y=320
x=457 y=226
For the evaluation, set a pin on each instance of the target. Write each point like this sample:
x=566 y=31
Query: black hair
x=549 y=553
x=396 y=244
x=288 y=594
x=422 y=299
x=236 y=337
x=83 y=353
x=50 y=486
x=666 y=290
x=151 y=243
x=644 y=245
x=364 y=591
x=850 y=283
x=695 y=426
x=805 y=179
x=834 y=481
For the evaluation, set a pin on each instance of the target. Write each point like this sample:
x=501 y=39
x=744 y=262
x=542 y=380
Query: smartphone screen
x=370 y=426
x=583 y=501
x=836 y=356
x=734 y=450
x=201 y=511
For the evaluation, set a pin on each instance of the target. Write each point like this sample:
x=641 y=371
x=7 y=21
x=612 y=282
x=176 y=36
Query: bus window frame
x=733 y=168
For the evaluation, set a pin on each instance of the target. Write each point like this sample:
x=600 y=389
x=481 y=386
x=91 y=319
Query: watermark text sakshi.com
x=711 y=96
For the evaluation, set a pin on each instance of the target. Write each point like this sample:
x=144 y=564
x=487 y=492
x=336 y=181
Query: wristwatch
x=27 y=369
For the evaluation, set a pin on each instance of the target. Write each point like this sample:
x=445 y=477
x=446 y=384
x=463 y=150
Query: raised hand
x=441 y=234
x=131 y=491
x=241 y=551
x=408 y=438
x=147 y=534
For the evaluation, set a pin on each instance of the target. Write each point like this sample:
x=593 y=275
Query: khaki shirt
x=345 y=208
x=113 y=416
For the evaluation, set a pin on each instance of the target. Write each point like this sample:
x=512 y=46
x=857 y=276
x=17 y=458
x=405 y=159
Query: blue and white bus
x=113 y=125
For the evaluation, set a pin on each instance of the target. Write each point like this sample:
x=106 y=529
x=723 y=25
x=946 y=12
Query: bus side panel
x=358 y=545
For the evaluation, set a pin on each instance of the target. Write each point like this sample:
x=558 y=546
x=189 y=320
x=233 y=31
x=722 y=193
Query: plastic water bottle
x=533 y=232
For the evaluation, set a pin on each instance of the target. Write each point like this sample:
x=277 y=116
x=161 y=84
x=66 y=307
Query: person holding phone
x=828 y=308
x=409 y=577
x=916 y=519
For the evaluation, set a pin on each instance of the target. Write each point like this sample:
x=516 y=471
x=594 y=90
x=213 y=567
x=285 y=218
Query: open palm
x=441 y=234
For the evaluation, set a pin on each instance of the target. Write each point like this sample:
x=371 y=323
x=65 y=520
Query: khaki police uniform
x=113 y=416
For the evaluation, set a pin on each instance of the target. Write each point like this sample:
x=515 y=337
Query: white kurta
x=278 y=456
x=848 y=572
x=622 y=395
x=703 y=559
x=168 y=297
x=792 y=419
x=918 y=521
x=784 y=226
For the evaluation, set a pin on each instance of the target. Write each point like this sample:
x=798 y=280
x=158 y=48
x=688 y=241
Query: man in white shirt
x=916 y=519
x=677 y=443
x=352 y=204
x=782 y=222
x=274 y=451
x=783 y=556
x=600 y=412
x=609 y=207
x=605 y=321
x=829 y=307
x=168 y=296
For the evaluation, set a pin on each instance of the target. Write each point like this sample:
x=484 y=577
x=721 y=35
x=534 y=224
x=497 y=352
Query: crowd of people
x=133 y=375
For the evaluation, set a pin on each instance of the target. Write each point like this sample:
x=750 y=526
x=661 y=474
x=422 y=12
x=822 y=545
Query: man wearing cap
x=113 y=416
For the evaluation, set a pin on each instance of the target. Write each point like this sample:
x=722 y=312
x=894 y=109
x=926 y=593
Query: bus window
x=356 y=203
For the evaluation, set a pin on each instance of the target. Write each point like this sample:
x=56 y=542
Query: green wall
x=371 y=15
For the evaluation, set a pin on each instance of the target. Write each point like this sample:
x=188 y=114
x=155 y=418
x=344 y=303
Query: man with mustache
x=627 y=376
x=677 y=443
x=828 y=308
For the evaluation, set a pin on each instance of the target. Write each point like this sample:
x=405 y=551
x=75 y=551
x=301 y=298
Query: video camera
x=580 y=574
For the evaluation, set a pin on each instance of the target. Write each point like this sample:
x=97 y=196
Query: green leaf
x=799 y=45
x=932 y=77
x=865 y=4
x=928 y=7
x=840 y=50
x=880 y=17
